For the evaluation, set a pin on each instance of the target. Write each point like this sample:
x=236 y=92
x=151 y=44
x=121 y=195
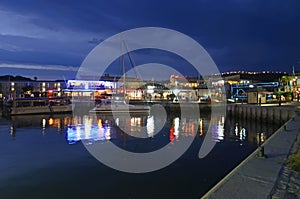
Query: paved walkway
x=265 y=177
x=288 y=183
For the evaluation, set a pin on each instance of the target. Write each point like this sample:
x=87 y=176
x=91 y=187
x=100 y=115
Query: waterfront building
x=189 y=88
x=104 y=88
x=290 y=86
x=26 y=87
x=88 y=90
x=264 y=84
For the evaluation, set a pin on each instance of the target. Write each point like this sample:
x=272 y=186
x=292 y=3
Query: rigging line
x=136 y=72
x=123 y=67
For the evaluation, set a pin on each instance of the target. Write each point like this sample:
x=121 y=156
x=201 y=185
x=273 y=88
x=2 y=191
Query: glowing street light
x=176 y=92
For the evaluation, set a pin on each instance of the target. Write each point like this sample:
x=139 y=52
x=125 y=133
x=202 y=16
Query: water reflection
x=150 y=126
x=89 y=131
x=54 y=154
x=218 y=129
x=12 y=130
x=101 y=128
x=260 y=138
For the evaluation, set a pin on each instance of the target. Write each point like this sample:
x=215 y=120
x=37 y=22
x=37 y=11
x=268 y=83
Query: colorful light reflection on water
x=45 y=147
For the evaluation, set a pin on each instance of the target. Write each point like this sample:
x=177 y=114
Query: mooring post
x=261 y=152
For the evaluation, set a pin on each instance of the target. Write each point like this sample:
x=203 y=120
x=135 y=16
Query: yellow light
x=50 y=121
x=100 y=123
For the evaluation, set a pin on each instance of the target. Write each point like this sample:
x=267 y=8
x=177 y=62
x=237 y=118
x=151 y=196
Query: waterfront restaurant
x=88 y=90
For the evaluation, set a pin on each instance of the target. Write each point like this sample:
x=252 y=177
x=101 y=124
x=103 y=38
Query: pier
x=264 y=174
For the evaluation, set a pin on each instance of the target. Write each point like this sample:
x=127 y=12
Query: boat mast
x=123 y=68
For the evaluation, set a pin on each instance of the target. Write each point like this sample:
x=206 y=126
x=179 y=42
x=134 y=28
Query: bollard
x=261 y=152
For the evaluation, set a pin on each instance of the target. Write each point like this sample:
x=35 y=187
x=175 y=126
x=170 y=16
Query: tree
x=279 y=94
x=286 y=82
x=35 y=78
x=27 y=90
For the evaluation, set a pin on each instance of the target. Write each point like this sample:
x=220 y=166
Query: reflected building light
x=43 y=125
x=172 y=134
x=78 y=133
x=107 y=132
x=100 y=123
x=59 y=125
x=87 y=128
x=201 y=126
x=150 y=126
x=100 y=135
x=243 y=134
x=139 y=121
x=117 y=120
x=50 y=121
x=214 y=133
x=12 y=130
x=236 y=129
x=135 y=121
x=132 y=121
x=176 y=126
x=192 y=128
x=93 y=135
x=183 y=126
x=261 y=138
x=70 y=135
x=220 y=131
x=92 y=130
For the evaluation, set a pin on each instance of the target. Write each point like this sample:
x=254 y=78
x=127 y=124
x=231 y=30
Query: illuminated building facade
x=26 y=87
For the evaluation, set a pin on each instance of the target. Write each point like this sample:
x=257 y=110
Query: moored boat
x=32 y=105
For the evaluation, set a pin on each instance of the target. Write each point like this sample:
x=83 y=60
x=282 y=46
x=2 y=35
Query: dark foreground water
x=42 y=156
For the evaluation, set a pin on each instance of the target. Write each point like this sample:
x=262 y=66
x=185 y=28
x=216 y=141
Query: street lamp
x=176 y=91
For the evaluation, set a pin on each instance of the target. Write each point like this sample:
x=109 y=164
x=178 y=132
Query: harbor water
x=43 y=156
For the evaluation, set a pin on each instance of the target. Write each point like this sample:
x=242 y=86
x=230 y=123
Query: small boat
x=38 y=105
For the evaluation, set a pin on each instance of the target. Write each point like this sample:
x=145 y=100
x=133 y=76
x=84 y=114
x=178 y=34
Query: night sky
x=51 y=38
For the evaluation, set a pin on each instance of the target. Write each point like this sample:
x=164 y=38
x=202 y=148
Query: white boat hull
x=41 y=110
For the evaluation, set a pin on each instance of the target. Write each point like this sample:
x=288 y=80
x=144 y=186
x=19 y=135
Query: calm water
x=42 y=156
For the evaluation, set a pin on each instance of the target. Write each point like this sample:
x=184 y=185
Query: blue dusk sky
x=50 y=38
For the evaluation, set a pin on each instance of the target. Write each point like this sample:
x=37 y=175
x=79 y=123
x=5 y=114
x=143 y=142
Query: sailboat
x=120 y=106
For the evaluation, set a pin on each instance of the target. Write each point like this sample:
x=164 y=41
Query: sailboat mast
x=123 y=70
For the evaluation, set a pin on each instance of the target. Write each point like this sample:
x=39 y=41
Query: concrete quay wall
x=262 y=113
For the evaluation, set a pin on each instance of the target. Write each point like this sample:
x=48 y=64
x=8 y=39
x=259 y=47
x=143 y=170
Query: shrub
x=293 y=161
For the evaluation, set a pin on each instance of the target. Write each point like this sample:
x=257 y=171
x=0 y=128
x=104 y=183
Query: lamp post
x=176 y=91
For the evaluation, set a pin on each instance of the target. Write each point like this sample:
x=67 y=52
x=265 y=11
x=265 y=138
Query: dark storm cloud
x=262 y=35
